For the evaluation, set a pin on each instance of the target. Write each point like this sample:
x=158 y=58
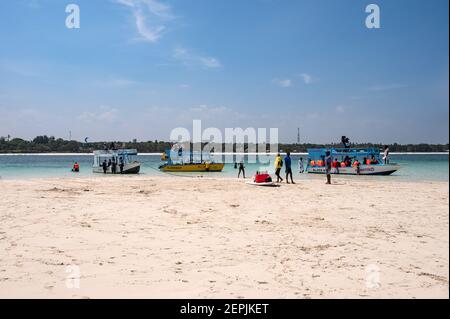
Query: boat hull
x=263 y=184
x=131 y=168
x=214 y=167
x=364 y=170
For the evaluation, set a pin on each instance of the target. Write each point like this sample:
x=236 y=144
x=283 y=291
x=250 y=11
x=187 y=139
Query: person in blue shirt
x=288 y=162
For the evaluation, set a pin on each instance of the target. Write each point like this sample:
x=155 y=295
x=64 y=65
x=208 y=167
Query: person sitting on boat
x=356 y=164
x=76 y=167
x=336 y=165
x=347 y=161
x=373 y=160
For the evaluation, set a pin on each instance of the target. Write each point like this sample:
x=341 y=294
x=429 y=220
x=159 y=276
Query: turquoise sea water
x=416 y=167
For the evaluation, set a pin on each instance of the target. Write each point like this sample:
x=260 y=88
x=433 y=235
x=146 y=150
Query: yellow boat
x=179 y=165
x=201 y=167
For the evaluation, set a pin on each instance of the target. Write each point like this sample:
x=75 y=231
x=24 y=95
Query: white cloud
x=340 y=109
x=282 y=82
x=189 y=58
x=312 y=116
x=116 y=83
x=149 y=10
x=207 y=109
x=105 y=114
x=307 y=79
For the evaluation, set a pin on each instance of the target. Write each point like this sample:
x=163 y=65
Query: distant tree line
x=46 y=144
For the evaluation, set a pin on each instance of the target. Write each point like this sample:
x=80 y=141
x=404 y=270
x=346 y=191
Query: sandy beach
x=183 y=237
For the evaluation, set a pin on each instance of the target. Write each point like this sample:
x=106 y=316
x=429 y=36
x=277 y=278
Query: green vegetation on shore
x=45 y=144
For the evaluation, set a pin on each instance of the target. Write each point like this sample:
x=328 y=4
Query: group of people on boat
x=113 y=163
x=348 y=162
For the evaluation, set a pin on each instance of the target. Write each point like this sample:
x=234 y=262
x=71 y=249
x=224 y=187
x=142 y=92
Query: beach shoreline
x=204 y=237
x=215 y=153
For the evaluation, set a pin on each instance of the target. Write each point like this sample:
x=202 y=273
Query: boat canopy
x=119 y=152
x=128 y=155
x=320 y=153
x=183 y=156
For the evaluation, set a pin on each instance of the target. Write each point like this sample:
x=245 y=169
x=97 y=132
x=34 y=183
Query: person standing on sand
x=104 y=166
x=121 y=165
x=278 y=166
x=241 y=169
x=287 y=160
x=328 y=164
x=113 y=165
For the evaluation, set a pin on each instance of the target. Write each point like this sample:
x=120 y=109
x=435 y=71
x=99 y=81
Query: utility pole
x=70 y=135
x=298 y=135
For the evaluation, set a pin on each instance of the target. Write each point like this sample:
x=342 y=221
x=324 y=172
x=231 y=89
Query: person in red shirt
x=76 y=167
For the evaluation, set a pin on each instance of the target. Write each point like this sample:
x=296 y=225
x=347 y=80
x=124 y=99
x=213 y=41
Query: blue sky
x=139 y=68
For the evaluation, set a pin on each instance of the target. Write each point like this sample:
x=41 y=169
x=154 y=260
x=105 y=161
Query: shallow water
x=414 y=167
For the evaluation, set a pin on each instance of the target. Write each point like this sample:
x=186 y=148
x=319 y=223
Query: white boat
x=127 y=156
x=369 y=159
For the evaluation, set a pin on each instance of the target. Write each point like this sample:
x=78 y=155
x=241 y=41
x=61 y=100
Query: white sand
x=151 y=237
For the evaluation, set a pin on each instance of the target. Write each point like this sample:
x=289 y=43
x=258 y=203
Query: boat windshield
x=127 y=156
x=180 y=157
